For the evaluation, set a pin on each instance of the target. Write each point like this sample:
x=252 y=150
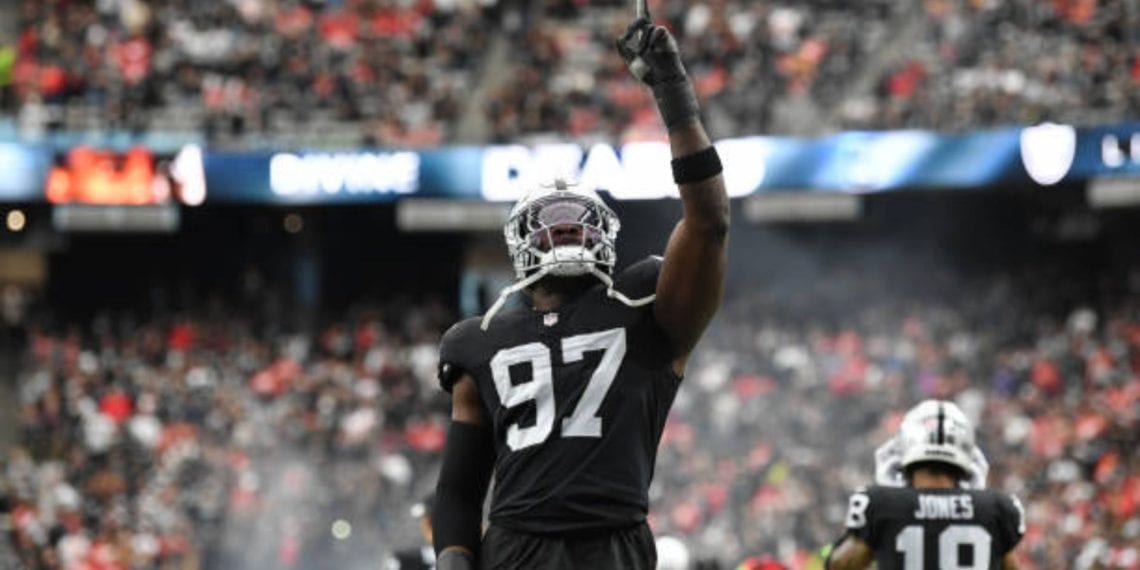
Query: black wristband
x=454 y=560
x=698 y=166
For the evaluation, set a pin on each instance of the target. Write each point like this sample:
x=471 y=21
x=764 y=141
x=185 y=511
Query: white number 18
x=909 y=542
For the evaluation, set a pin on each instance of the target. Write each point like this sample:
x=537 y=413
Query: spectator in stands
x=394 y=74
x=234 y=71
x=209 y=441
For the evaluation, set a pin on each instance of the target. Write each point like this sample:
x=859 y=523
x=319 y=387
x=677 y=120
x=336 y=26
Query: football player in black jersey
x=939 y=518
x=564 y=397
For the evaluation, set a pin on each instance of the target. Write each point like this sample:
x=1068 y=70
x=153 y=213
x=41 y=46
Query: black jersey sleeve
x=1011 y=520
x=639 y=279
x=455 y=350
x=859 y=519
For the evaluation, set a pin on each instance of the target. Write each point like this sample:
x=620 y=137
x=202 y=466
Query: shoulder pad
x=640 y=278
x=1016 y=511
x=454 y=349
x=879 y=494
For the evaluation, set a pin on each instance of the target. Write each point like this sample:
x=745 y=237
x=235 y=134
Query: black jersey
x=578 y=398
x=935 y=529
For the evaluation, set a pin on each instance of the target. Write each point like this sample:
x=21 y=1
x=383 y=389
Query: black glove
x=454 y=560
x=652 y=56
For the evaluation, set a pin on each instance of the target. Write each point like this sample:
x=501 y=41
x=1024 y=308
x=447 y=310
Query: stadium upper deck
x=426 y=73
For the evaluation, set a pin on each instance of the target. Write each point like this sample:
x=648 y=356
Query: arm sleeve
x=468 y=461
x=640 y=279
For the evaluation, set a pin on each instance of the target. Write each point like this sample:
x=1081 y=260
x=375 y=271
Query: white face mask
x=564 y=230
x=561 y=230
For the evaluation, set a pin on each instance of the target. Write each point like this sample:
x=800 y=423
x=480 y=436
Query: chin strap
x=508 y=290
x=527 y=282
x=615 y=294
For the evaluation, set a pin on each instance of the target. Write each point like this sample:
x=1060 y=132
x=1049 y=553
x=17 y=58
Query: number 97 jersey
x=936 y=529
x=577 y=398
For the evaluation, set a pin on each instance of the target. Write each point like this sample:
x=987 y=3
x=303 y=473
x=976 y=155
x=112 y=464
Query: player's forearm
x=696 y=166
x=654 y=58
x=457 y=522
x=705 y=201
x=688 y=139
x=468 y=460
x=849 y=554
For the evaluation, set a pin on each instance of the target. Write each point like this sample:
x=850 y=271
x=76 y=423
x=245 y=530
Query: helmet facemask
x=564 y=231
x=561 y=233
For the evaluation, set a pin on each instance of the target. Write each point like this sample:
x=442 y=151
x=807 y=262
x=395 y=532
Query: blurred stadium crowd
x=222 y=440
x=424 y=72
x=228 y=438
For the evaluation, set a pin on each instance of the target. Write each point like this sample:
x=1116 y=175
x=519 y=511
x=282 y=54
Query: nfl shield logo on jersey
x=550 y=319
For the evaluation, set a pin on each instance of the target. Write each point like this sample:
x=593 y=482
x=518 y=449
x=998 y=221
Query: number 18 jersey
x=577 y=398
x=936 y=529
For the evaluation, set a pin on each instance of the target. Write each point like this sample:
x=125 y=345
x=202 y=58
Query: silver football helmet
x=561 y=228
x=937 y=430
x=889 y=470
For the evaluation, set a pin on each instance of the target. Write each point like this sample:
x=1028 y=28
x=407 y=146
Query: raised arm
x=692 y=277
x=468 y=460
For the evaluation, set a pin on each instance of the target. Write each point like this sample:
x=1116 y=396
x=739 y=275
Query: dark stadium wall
x=914 y=241
x=936 y=243
x=338 y=257
x=920 y=243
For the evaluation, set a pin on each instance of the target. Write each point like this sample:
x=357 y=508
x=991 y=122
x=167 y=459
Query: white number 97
x=583 y=421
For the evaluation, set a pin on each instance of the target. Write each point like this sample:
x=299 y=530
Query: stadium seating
x=195 y=437
x=298 y=73
x=409 y=74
